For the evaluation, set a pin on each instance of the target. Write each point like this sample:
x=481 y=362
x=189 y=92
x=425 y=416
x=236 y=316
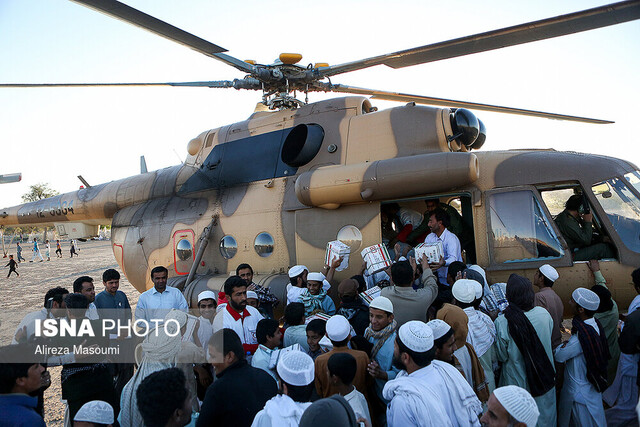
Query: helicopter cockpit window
x=622 y=208
x=228 y=247
x=633 y=178
x=264 y=244
x=520 y=229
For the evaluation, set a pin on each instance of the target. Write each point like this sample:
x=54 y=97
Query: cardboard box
x=370 y=294
x=335 y=250
x=321 y=316
x=377 y=258
x=433 y=252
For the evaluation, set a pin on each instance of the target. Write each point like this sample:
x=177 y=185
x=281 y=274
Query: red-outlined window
x=182 y=266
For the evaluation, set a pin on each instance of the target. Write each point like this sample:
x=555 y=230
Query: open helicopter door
x=358 y=226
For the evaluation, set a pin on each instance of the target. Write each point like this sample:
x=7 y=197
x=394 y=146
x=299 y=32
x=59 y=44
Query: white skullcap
x=416 y=335
x=586 y=298
x=464 y=290
x=401 y=259
x=382 y=303
x=338 y=328
x=252 y=294
x=549 y=272
x=439 y=327
x=478 y=288
x=518 y=403
x=326 y=285
x=206 y=295
x=480 y=270
x=296 y=270
x=96 y=411
x=296 y=368
x=316 y=277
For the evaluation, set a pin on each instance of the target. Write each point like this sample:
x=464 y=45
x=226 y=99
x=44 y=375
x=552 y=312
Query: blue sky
x=53 y=135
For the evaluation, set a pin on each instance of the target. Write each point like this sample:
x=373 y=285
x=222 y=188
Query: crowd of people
x=424 y=344
x=37 y=254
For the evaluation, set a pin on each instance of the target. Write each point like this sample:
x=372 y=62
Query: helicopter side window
x=520 y=230
x=622 y=208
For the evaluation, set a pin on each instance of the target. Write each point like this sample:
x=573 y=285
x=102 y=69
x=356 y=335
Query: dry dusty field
x=21 y=295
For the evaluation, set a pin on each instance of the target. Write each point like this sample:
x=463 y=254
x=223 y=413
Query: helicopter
x=313 y=165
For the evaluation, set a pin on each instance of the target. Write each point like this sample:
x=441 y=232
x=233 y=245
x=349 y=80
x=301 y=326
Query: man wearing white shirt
x=298 y=277
x=53 y=307
x=438 y=222
x=238 y=316
x=84 y=285
x=156 y=302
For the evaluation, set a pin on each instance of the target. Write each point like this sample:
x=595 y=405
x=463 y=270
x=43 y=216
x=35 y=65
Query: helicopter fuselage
x=271 y=191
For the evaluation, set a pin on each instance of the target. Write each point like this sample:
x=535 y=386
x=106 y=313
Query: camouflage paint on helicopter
x=339 y=183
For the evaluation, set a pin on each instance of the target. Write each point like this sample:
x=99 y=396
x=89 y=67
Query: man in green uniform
x=577 y=231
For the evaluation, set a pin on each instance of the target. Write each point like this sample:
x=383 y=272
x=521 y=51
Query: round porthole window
x=264 y=244
x=351 y=236
x=228 y=247
x=184 y=251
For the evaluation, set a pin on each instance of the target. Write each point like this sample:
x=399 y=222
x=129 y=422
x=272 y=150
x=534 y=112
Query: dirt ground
x=21 y=295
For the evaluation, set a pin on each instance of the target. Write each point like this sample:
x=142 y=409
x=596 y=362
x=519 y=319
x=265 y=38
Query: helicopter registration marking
x=53 y=209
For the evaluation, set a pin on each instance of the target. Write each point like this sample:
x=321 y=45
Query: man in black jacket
x=239 y=391
x=352 y=307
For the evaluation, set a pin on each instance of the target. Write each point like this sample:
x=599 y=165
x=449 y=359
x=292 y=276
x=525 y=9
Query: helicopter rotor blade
x=562 y=25
x=236 y=84
x=428 y=100
x=140 y=19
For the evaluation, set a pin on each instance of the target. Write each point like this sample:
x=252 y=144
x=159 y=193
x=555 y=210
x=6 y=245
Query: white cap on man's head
x=586 y=298
x=297 y=270
x=252 y=294
x=95 y=411
x=206 y=295
x=296 y=368
x=315 y=277
x=416 y=335
x=439 y=327
x=464 y=290
x=518 y=403
x=549 y=272
x=382 y=303
x=338 y=328
x=478 y=288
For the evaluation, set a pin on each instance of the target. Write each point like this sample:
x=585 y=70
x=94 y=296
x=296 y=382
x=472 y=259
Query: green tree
x=38 y=191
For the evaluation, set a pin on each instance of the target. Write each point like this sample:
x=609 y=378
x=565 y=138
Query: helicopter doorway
x=404 y=223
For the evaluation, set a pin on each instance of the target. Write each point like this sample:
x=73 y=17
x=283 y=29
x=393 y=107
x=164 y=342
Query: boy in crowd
x=12 y=266
x=269 y=338
x=315 y=331
x=296 y=331
x=296 y=372
x=341 y=368
x=163 y=399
